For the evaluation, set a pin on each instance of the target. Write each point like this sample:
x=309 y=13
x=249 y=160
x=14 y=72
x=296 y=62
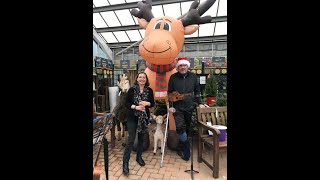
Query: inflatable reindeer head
x=164 y=36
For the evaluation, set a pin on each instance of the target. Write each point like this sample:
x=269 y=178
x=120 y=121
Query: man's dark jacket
x=185 y=83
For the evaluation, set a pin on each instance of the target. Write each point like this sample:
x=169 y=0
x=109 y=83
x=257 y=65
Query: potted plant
x=211 y=88
x=221 y=100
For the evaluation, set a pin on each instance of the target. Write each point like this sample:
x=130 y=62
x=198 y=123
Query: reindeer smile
x=156 y=52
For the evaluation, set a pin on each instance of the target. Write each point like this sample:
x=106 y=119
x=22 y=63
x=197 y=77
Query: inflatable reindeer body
x=163 y=41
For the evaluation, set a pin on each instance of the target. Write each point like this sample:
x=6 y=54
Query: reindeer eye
x=157 y=25
x=167 y=26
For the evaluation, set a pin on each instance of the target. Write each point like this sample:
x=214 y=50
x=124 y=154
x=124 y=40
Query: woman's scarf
x=142 y=115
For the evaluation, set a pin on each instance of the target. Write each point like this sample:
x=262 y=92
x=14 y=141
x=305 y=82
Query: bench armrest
x=215 y=131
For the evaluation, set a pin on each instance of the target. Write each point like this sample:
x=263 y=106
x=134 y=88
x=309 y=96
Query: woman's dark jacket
x=129 y=102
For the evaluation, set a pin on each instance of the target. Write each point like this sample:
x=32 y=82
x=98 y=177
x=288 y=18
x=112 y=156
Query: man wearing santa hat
x=185 y=83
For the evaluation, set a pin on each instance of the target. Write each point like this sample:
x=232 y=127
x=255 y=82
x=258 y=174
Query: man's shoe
x=125 y=169
x=180 y=153
x=186 y=158
x=140 y=161
x=186 y=151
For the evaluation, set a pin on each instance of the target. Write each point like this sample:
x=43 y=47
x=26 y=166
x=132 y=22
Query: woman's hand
x=140 y=108
x=144 y=103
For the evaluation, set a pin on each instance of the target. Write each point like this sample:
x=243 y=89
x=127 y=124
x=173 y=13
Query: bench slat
x=214 y=120
x=223 y=120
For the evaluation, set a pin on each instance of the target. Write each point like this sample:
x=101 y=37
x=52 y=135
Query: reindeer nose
x=168 y=42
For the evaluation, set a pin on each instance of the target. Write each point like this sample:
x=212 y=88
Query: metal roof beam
x=133 y=5
x=137 y=27
x=102 y=44
x=118 y=28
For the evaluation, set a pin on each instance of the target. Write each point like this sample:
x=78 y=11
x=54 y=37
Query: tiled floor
x=173 y=166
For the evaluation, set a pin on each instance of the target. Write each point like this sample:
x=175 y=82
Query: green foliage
x=211 y=87
x=220 y=101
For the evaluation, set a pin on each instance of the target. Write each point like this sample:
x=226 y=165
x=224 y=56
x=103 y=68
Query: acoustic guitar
x=176 y=96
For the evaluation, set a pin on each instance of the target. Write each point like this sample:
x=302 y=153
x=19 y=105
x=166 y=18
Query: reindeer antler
x=194 y=15
x=145 y=10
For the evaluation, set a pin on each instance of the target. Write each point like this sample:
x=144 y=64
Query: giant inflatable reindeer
x=163 y=41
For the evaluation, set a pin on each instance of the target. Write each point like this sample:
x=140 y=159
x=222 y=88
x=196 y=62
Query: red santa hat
x=183 y=60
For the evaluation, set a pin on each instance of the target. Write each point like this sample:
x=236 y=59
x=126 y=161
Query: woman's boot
x=139 y=150
x=125 y=168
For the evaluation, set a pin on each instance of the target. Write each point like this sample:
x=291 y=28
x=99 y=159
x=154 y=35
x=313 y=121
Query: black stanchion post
x=191 y=150
x=106 y=157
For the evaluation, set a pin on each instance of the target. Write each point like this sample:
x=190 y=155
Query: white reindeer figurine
x=158 y=135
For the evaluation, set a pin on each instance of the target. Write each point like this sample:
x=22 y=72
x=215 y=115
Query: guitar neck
x=188 y=94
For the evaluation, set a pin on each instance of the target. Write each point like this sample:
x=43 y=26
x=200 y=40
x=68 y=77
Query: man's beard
x=183 y=72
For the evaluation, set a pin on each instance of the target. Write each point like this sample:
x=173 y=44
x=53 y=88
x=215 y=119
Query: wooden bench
x=205 y=115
